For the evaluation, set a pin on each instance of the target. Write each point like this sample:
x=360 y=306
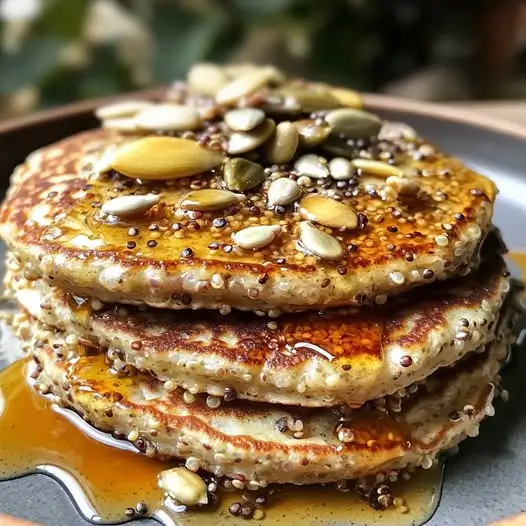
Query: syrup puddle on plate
x=105 y=476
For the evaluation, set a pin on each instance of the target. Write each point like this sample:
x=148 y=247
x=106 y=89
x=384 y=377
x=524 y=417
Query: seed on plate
x=307 y=99
x=341 y=169
x=244 y=119
x=282 y=145
x=162 y=158
x=347 y=97
x=183 y=486
x=243 y=142
x=377 y=168
x=283 y=191
x=319 y=243
x=123 y=124
x=312 y=134
x=256 y=236
x=172 y=117
x=403 y=185
x=354 y=124
x=242 y=86
x=125 y=108
x=209 y=200
x=206 y=78
x=328 y=212
x=312 y=165
x=241 y=175
x=129 y=204
x=396 y=130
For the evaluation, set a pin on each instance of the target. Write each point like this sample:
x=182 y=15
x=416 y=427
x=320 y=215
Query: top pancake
x=385 y=234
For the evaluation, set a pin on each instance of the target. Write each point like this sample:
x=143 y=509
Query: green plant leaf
x=259 y=8
x=27 y=67
x=63 y=18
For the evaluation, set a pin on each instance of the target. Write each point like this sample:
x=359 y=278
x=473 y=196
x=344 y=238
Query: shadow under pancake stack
x=264 y=283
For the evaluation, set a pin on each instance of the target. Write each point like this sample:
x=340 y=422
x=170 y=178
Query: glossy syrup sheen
x=104 y=480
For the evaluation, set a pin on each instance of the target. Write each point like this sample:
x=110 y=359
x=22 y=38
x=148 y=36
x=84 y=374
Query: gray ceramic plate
x=486 y=481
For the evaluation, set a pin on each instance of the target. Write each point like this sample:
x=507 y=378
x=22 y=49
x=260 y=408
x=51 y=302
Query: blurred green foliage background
x=56 y=51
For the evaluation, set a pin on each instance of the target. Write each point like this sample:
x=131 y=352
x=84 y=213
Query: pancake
x=312 y=359
x=254 y=442
x=351 y=209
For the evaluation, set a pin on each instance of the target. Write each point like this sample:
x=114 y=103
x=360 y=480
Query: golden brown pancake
x=378 y=211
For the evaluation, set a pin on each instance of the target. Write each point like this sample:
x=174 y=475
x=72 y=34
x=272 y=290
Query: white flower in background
x=16 y=10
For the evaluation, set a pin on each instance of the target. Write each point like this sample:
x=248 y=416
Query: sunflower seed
x=168 y=117
x=244 y=119
x=319 y=243
x=328 y=212
x=242 y=69
x=209 y=200
x=341 y=169
x=306 y=99
x=403 y=185
x=206 y=78
x=183 y=486
x=312 y=165
x=282 y=146
x=163 y=158
x=312 y=134
x=354 y=124
x=123 y=124
x=242 y=142
x=283 y=191
x=125 y=108
x=129 y=204
x=241 y=175
x=256 y=236
x=243 y=86
x=347 y=97
x=377 y=168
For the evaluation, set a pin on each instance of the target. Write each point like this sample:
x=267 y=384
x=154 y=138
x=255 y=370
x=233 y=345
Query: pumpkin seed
x=168 y=117
x=129 y=204
x=377 y=168
x=256 y=236
x=125 y=108
x=206 y=78
x=338 y=147
x=282 y=146
x=341 y=169
x=283 y=191
x=164 y=158
x=244 y=119
x=243 y=86
x=391 y=131
x=354 y=124
x=347 y=97
x=123 y=124
x=239 y=70
x=312 y=165
x=241 y=175
x=319 y=243
x=242 y=142
x=312 y=134
x=306 y=99
x=328 y=212
x=208 y=200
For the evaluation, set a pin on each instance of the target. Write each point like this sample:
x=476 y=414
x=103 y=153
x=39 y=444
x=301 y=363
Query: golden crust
x=50 y=220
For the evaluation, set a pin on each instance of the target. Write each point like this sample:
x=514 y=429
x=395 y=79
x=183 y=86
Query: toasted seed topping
x=125 y=108
x=312 y=165
x=123 y=124
x=347 y=97
x=242 y=142
x=163 y=158
x=307 y=100
x=328 y=212
x=341 y=169
x=377 y=168
x=241 y=175
x=397 y=130
x=355 y=124
x=244 y=119
x=208 y=200
x=319 y=243
x=312 y=134
x=243 y=86
x=283 y=191
x=282 y=146
x=129 y=204
x=206 y=78
x=168 y=117
x=256 y=236
x=183 y=486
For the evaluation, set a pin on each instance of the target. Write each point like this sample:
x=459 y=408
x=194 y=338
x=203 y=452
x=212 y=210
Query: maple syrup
x=107 y=478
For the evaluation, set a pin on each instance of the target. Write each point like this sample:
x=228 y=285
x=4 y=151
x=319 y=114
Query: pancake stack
x=263 y=281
